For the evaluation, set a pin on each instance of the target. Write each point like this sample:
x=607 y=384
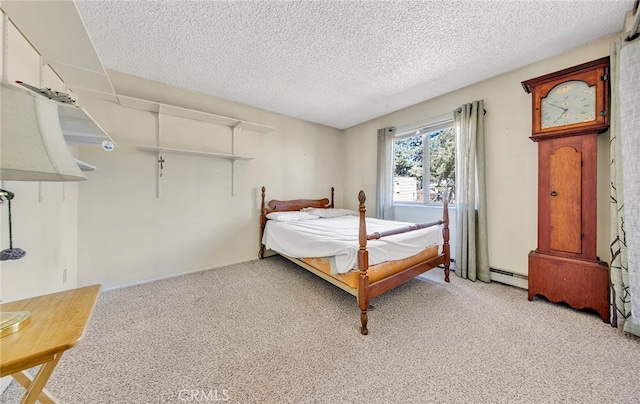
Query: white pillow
x=290 y=216
x=321 y=212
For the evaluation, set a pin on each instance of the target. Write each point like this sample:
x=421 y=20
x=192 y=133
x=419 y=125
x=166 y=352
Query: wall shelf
x=166 y=109
x=156 y=149
x=160 y=109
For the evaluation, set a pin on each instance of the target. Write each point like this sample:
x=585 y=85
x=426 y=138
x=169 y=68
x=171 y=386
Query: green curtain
x=472 y=251
x=384 y=202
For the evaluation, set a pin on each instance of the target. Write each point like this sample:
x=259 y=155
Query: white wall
x=44 y=214
x=127 y=235
x=122 y=234
x=112 y=230
x=511 y=157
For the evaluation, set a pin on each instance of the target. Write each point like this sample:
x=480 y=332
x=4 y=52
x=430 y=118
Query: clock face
x=568 y=103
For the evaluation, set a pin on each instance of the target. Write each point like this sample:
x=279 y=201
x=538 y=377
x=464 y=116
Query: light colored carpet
x=270 y=332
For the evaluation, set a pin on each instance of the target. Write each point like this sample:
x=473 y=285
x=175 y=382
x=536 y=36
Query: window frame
x=425 y=130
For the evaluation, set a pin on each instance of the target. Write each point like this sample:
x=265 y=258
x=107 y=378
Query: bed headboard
x=275 y=205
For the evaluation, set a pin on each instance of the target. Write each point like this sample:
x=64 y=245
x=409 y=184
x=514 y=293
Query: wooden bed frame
x=366 y=290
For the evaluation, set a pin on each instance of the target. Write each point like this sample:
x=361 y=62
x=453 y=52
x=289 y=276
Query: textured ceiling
x=337 y=63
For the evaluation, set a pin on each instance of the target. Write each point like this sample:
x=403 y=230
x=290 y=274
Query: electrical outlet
x=64 y=276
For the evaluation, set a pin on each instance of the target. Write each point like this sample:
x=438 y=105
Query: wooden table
x=58 y=323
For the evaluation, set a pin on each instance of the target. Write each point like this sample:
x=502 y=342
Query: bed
x=335 y=245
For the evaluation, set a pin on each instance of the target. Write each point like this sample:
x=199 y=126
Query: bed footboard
x=366 y=291
x=363 y=265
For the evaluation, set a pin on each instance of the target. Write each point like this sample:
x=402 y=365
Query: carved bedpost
x=363 y=265
x=263 y=222
x=445 y=235
x=332 y=191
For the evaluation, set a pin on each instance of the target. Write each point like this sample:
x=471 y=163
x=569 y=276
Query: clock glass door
x=565 y=207
x=568 y=103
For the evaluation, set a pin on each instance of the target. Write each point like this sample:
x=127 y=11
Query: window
x=428 y=146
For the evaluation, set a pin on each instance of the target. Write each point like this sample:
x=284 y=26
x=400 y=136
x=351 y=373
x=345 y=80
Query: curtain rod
x=433 y=121
x=460 y=110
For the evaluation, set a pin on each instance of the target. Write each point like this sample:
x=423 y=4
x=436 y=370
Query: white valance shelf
x=79 y=128
x=84 y=166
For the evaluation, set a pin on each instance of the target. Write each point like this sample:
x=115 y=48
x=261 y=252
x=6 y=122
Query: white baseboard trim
x=173 y=275
x=507 y=278
x=496 y=275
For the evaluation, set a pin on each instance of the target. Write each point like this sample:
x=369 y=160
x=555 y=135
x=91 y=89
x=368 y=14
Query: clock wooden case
x=569 y=110
x=570 y=101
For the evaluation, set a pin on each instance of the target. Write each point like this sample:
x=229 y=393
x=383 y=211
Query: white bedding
x=338 y=237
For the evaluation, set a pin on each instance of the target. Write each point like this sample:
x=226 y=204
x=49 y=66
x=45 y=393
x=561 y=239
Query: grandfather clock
x=569 y=111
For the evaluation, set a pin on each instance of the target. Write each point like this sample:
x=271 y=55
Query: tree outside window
x=434 y=149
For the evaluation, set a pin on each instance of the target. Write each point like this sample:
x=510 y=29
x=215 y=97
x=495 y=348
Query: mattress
x=336 y=239
x=376 y=272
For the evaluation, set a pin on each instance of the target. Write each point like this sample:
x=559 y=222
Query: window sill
x=422 y=205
